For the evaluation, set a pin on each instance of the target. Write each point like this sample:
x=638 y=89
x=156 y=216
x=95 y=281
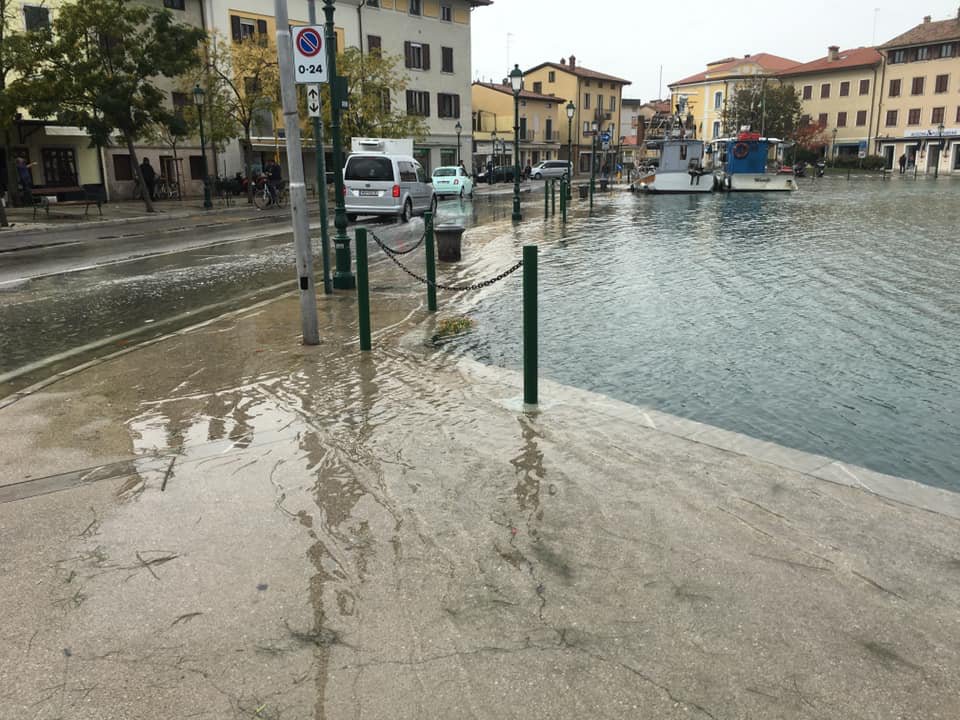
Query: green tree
x=764 y=105
x=94 y=69
x=11 y=46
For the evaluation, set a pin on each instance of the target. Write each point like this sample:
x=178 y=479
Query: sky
x=633 y=38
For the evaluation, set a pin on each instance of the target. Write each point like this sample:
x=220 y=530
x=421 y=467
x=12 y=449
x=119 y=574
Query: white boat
x=743 y=164
x=681 y=168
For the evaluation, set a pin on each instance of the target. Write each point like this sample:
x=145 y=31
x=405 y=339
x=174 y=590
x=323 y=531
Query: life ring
x=741 y=150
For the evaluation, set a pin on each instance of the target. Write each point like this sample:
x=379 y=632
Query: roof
x=580 y=71
x=927 y=32
x=858 y=57
x=525 y=94
x=769 y=63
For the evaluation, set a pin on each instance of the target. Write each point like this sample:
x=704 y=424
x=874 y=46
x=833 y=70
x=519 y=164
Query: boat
x=681 y=168
x=743 y=164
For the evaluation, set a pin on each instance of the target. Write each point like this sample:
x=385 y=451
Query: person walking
x=274 y=178
x=490 y=172
x=149 y=176
x=26 y=179
x=903 y=163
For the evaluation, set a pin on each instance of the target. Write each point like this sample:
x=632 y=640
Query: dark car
x=501 y=174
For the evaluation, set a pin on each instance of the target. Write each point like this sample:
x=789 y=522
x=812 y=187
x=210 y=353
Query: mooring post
x=530 y=325
x=553 y=197
x=546 y=198
x=431 y=262
x=363 y=289
x=564 y=189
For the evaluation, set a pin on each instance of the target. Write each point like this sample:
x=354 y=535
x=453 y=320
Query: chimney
x=573 y=61
x=926 y=19
x=833 y=53
x=563 y=61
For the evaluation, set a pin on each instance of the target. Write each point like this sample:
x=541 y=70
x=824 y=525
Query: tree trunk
x=147 y=200
x=12 y=197
x=248 y=164
x=3 y=215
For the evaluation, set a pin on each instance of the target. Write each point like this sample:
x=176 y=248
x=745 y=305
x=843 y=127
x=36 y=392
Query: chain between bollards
x=363 y=289
x=431 y=262
x=530 y=325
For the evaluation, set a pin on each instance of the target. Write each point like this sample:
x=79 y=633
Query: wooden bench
x=85 y=195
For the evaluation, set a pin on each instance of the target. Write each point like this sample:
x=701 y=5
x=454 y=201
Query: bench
x=85 y=195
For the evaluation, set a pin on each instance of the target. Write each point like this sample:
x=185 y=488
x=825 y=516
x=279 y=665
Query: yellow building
x=597 y=99
x=918 y=106
x=838 y=93
x=493 y=116
x=707 y=92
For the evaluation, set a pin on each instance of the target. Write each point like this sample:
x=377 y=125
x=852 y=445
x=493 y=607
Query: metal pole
x=207 y=204
x=546 y=198
x=431 y=262
x=363 y=289
x=593 y=166
x=570 y=157
x=298 y=190
x=564 y=190
x=343 y=279
x=553 y=197
x=517 y=217
x=321 y=181
x=530 y=325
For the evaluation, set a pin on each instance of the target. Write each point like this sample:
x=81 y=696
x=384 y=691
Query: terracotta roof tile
x=858 y=57
x=770 y=63
x=580 y=71
x=928 y=32
x=525 y=94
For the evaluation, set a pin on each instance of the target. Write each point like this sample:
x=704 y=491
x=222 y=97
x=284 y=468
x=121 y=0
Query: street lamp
x=571 y=110
x=198 y=101
x=459 y=128
x=516 y=82
x=593 y=161
x=936 y=168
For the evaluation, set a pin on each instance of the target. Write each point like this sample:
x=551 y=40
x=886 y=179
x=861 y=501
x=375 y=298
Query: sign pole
x=298 y=190
x=321 y=175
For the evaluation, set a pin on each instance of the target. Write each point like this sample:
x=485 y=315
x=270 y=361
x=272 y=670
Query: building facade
x=493 y=117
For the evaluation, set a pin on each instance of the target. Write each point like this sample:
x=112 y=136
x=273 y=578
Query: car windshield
x=445 y=172
x=369 y=168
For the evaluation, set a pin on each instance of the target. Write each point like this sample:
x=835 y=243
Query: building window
x=196 y=167
x=122 y=167
x=891 y=118
x=599 y=103
x=175 y=4
x=416 y=55
x=864 y=87
x=448 y=106
x=824 y=91
x=415 y=8
x=418 y=103
x=913 y=117
x=385 y=101
x=807 y=92
x=804 y=120
x=941 y=84
x=717 y=100
x=538 y=88
x=937 y=116
x=822 y=120
x=923 y=53
x=946 y=50
x=586 y=101
x=916 y=88
x=446 y=13
x=180 y=101
x=374 y=44
x=446 y=59
x=845 y=88
x=895 y=88
x=551 y=76
x=59 y=166
x=898 y=56
x=841 y=119
x=36 y=18
x=861 y=118
x=613 y=103
x=716 y=128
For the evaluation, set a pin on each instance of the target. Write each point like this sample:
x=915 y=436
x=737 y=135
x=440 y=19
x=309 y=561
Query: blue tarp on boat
x=755 y=160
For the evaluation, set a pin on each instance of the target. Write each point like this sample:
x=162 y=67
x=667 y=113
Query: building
x=707 y=92
x=596 y=96
x=838 y=93
x=918 y=109
x=493 y=117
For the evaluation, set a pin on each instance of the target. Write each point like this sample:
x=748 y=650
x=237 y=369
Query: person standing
x=149 y=176
x=26 y=179
x=274 y=178
x=903 y=163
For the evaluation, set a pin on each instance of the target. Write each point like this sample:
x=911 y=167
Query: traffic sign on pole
x=309 y=60
x=313 y=100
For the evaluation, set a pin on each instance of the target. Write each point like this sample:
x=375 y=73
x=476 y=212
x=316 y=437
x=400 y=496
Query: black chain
x=456 y=288
x=391 y=252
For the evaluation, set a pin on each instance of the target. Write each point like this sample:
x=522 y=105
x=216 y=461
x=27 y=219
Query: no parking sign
x=309 y=60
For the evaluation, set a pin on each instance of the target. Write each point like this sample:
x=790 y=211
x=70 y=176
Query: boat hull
x=758 y=182
x=678 y=182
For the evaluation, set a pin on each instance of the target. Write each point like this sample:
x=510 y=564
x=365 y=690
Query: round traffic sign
x=309 y=42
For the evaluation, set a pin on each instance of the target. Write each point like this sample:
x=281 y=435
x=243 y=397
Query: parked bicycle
x=263 y=197
x=164 y=189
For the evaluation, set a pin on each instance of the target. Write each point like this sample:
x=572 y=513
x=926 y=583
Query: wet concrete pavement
x=276 y=531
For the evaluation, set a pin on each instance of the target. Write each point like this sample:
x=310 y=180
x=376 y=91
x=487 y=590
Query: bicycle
x=263 y=198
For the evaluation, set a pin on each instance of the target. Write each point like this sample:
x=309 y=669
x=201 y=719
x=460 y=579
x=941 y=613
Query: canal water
x=827 y=320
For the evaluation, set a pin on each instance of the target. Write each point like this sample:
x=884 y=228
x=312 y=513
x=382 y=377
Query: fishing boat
x=681 y=167
x=744 y=164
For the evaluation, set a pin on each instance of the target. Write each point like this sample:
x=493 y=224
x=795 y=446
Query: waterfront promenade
x=224 y=523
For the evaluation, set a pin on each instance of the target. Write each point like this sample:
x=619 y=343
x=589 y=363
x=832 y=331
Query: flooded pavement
x=286 y=532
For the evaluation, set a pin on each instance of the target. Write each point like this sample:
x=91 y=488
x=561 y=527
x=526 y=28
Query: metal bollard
x=431 y=262
x=363 y=289
x=564 y=196
x=546 y=198
x=553 y=197
x=530 y=325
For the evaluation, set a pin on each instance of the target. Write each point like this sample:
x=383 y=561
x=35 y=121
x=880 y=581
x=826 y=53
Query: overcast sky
x=633 y=38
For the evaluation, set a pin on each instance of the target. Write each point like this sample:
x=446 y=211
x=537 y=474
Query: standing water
x=826 y=320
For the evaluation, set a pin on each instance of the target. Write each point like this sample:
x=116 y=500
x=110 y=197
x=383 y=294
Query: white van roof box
x=394 y=146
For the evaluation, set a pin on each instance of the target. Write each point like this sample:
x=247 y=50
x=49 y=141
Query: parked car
x=550 y=169
x=452 y=180
x=382 y=184
x=501 y=173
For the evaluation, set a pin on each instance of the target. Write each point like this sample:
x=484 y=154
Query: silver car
x=550 y=169
x=382 y=184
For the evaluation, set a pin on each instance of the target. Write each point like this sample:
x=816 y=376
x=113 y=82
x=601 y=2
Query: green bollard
x=546 y=198
x=363 y=289
x=553 y=197
x=530 y=325
x=564 y=189
x=431 y=263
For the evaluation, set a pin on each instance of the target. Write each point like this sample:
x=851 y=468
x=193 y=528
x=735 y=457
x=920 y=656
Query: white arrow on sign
x=313 y=100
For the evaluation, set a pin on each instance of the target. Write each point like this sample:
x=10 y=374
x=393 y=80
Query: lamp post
x=593 y=161
x=459 y=128
x=493 y=151
x=571 y=111
x=936 y=168
x=198 y=101
x=516 y=82
x=833 y=148
x=343 y=279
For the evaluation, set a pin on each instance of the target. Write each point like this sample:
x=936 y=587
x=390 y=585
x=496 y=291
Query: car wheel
x=407 y=211
x=352 y=217
x=538 y=176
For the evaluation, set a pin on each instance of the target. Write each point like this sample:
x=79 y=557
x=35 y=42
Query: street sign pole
x=298 y=190
x=321 y=175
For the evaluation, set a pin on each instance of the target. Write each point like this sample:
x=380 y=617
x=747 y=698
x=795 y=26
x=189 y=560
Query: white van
x=550 y=169
x=384 y=184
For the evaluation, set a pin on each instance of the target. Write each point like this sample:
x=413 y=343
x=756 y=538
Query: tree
x=93 y=69
x=11 y=45
x=765 y=106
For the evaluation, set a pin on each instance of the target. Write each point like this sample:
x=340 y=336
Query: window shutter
x=235 y=28
x=426 y=103
x=426 y=56
x=456 y=106
x=410 y=105
x=262 y=27
x=407 y=52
